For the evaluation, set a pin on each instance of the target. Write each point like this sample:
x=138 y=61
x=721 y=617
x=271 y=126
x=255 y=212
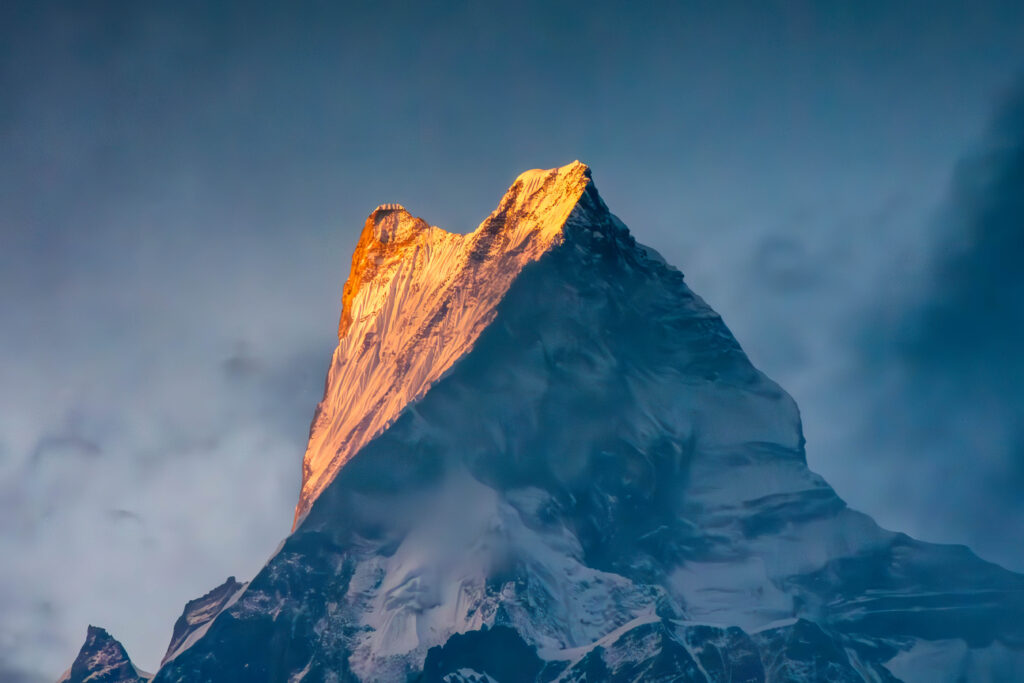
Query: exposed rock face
x=198 y=614
x=536 y=441
x=103 y=659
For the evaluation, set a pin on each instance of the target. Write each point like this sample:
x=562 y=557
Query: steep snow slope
x=416 y=299
x=597 y=480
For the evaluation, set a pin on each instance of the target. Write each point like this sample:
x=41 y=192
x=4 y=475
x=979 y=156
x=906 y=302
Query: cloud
x=32 y=630
x=948 y=405
x=150 y=492
x=973 y=321
x=63 y=446
x=241 y=364
x=14 y=674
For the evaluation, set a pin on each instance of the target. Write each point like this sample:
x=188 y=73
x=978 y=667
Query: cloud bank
x=943 y=367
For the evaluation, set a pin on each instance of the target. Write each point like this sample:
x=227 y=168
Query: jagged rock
x=103 y=659
x=198 y=614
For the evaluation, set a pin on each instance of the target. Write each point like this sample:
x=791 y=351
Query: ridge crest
x=416 y=299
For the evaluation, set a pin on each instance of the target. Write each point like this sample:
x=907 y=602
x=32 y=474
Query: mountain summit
x=541 y=457
x=416 y=300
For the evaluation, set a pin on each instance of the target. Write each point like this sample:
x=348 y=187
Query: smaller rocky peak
x=103 y=659
x=199 y=613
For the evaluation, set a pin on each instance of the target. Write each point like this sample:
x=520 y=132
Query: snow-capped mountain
x=541 y=457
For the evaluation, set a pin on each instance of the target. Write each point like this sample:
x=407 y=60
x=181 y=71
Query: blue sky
x=181 y=186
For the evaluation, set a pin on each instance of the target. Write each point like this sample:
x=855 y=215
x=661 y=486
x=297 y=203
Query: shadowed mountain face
x=597 y=485
x=198 y=614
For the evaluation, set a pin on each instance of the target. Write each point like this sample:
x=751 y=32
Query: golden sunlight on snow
x=416 y=300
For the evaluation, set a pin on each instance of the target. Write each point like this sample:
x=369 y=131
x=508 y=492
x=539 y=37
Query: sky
x=182 y=184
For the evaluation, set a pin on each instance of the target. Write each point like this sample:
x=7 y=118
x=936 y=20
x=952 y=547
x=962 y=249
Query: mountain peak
x=416 y=299
x=103 y=659
x=392 y=235
x=541 y=457
x=535 y=179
